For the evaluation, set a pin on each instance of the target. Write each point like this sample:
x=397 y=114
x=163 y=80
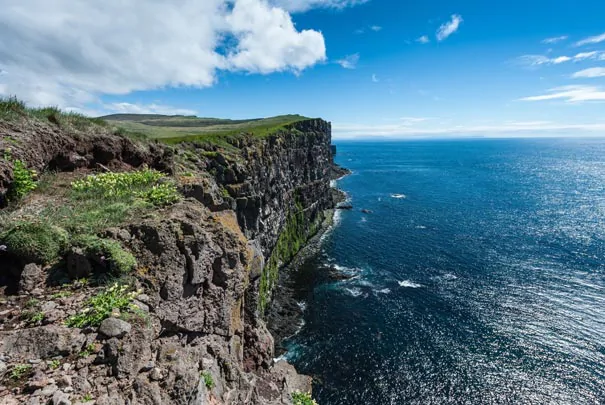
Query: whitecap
x=399 y=196
x=354 y=292
x=302 y=305
x=420 y=227
x=450 y=276
x=383 y=291
x=409 y=284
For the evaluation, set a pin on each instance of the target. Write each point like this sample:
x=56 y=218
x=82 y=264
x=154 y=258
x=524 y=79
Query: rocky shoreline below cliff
x=158 y=296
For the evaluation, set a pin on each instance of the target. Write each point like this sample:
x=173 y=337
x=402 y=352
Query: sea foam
x=409 y=284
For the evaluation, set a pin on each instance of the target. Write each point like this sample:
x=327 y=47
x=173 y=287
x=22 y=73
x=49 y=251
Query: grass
x=88 y=207
x=24 y=179
x=38 y=240
x=88 y=351
x=99 y=307
x=110 y=252
x=12 y=109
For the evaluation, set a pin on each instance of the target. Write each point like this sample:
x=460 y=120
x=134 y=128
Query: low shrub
x=108 y=251
x=35 y=241
x=20 y=370
x=302 y=398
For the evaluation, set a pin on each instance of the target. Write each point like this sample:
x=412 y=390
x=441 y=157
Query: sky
x=374 y=68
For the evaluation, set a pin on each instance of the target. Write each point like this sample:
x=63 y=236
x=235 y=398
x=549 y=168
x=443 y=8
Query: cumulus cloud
x=554 y=40
x=591 y=40
x=69 y=53
x=305 y=5
x=590 y=73
x=349 y=61
x=449 y=27
x=571 y=94
x=375 y=78
x=423 y=39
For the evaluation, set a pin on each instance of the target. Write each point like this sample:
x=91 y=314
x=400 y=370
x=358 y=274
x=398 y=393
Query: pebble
x=156 y=374
x=60 y=398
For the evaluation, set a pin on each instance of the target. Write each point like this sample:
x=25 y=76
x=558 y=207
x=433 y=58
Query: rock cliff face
x=206 y=271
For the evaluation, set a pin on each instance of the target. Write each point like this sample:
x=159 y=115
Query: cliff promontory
x=139 y=272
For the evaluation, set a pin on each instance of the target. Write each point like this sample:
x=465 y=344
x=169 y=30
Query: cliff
x=149 y=287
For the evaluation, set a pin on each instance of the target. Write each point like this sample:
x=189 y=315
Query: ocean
x=478 y=277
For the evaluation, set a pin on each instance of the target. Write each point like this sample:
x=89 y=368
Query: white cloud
x=537 y=60
x=69 y=53
x=554 y=40
x=376 y=28
x=571 y=94
x=495 y=129
x=128 y=108
x=591 y=40
x=363 y=30
x=423 y=39
x=590 y=73
x=375 y=78
x=349 y=61
x=449 y=27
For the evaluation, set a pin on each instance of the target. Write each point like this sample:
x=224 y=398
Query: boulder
x=113 y=327
x=30 y=277
x=42 y=342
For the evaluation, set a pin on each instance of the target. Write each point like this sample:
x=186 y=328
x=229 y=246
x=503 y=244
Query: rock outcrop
x=206 y=271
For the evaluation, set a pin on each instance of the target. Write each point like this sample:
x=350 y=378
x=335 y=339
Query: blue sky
x=373 y=68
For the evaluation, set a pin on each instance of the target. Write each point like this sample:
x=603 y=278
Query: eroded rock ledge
x=206 y=271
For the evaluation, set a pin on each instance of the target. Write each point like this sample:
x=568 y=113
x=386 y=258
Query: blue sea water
x=478 y=278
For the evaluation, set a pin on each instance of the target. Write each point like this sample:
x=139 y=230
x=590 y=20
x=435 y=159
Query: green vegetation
x=38 y=240
x=292 y=238
x=211 y=131
x=88 y=207
x=23 y=178
x=302 y=398
x=12 y=109
x=61 y=294
x=89 y=350
x=32 y=318
x=54 y=364
x=208 y=380
x=100 y=307
x=87 y=397
x=118 y=260
x=20 y=370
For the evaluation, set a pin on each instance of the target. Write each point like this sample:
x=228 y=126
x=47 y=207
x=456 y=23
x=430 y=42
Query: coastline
x=284 y=316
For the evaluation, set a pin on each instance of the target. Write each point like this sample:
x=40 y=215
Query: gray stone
x=30 y=277
x=47 y=391
x=3 y=368
x=60 y=398
x=42 y=342
x=64 y=381
x=156 y=374
x=48 y=306
x=37 y=381
x=113 y=327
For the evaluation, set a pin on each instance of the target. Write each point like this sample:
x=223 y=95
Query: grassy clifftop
x=165 y=128
x=172 y=129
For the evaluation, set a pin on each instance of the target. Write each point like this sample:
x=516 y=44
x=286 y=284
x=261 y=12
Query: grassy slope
x=173 y=129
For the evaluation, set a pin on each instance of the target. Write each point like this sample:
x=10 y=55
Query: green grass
x=38 y=240
x=12 y=109
x=87 y=208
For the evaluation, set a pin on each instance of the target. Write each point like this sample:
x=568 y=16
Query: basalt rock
x=207 y=267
